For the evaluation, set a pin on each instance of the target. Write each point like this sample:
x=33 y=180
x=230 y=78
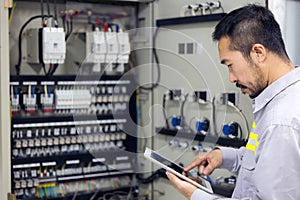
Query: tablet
x=172 y=167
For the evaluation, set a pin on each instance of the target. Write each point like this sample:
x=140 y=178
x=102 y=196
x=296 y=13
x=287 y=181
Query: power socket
x=231 y=97
x=175 y=94
x=201 y=96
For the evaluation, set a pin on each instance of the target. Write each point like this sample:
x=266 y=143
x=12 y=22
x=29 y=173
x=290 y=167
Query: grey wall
x=292 y=29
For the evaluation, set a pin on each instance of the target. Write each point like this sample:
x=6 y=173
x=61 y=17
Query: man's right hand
x=207 y=162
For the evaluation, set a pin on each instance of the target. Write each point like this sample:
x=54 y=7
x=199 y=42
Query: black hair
x=249 y=25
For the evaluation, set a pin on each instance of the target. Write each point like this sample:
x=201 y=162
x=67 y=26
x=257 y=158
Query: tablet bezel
x=206 y=188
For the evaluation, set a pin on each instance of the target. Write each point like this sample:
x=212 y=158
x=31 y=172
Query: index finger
x=198 y=161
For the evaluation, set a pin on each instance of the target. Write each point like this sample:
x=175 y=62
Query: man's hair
x=249 y=25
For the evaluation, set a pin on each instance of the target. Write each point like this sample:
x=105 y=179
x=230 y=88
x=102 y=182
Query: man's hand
x=184 y=187
x=207 y=162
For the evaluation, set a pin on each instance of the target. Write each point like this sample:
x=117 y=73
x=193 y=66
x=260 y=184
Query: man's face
x=247 y=75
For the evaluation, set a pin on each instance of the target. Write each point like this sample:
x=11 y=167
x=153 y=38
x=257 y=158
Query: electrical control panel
x=75 y=140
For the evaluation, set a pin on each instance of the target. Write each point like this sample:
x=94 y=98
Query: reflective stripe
x=253 y=125
x=251 y=147
x=252 y=142
x=253 y=136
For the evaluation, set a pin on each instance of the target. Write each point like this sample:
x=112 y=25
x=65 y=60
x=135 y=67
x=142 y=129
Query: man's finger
x=199 y=160
x=208 y=170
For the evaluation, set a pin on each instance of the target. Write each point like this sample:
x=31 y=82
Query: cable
x=48 y=7
x=155 y=175
x=42 y=10
x=75 y=195
x=44 y=68
x=94 y=195
x=52 y=69
x=183 y=122
x=164 y=111
x=18 y=65
x=55 y=10
x=69 y=27
x=242 y=115
x=214 y=115
x=157 y=64
x=11 y=12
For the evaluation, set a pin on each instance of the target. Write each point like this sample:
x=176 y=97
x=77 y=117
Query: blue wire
x=48 y=91
x=15 y=91
x=32 y=91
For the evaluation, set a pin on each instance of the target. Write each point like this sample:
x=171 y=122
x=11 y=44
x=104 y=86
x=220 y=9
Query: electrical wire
x=214 y=115
x=242 y=115
x=75 y=195
x=183 y=122
x=18 y=65
x=42 y=11
x=52 y=69
x=164 y=111
x=94 y=195
x=55 y=9
x=155 y=175
x=154 y=85
x=44 y=68
x=11 y=12
x=48 y=7
x=69 y=26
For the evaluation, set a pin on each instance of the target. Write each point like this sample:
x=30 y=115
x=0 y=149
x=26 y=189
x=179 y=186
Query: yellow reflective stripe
x=253 y=136
x=256 y=144
x=253 y=125
x=250 y=147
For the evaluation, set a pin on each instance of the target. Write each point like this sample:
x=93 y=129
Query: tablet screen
x=170 y=164
x=174 y=166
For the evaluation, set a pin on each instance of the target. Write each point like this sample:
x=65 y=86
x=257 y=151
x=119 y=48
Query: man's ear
x=258 y=53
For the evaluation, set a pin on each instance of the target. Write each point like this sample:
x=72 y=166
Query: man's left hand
x=183 y=187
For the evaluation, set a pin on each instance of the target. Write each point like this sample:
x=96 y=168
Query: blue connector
x=176 y=121
x=231 y=129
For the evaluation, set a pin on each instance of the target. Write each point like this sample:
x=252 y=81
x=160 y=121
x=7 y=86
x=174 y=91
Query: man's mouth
x=240 y=85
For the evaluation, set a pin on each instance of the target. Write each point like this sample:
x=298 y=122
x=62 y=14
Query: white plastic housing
x=112 y=47
x=54 y=45
x=95 y=47
x=124 y=47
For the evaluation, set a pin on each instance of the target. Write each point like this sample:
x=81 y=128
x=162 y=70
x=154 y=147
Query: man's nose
x=232 y=77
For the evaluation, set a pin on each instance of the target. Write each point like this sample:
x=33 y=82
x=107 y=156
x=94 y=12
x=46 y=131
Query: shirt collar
x=275 y=88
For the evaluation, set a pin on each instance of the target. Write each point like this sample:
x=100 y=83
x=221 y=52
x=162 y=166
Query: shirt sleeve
x=232 y=158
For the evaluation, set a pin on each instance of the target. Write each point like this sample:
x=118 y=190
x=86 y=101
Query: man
x=251 y=46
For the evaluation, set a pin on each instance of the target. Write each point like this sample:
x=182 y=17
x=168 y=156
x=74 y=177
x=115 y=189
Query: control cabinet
x=71 y=136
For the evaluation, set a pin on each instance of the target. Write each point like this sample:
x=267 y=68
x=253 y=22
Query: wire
x=75 y=195
x=242 y=115
x=155 y=175
x=164 y=111
x=69 y=27
x=48 y=7
x=55 y=10
x=42 y=11
x=11 y=12
x=214 y=115
x=44 y=68
x=52 y=69
x=18 y=65
x=94 y=195
x=157 y=64
x=183 y=122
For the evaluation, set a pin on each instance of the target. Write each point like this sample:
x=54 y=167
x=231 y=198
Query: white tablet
x=172 y=167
